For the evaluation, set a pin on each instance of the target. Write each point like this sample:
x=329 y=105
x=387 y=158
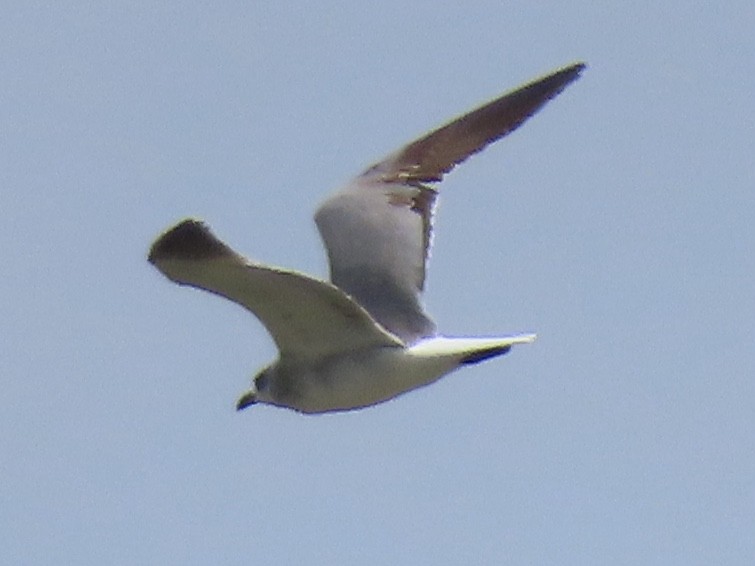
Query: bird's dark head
x=259 y=391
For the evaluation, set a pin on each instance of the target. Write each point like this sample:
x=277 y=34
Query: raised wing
x=427 y=159
x=308 y=319
x=375 y=248
x=378 y=229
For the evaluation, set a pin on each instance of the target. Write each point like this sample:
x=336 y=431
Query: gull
x=364 y=337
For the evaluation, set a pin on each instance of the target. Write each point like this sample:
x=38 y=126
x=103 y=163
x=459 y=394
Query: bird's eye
x=260 y=382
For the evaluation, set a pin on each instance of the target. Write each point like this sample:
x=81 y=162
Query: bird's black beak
x=248 y=398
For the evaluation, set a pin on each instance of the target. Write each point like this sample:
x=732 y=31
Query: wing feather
x=428 y=158
x=378 y=229
x=308 y=319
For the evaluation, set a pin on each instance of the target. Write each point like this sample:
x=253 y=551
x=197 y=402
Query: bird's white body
x=364 y=337
x=364 y=378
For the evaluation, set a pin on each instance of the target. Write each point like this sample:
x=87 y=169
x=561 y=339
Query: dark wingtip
x=570 y=72
x=189 y=239
x=553 y=84
x=577 y=67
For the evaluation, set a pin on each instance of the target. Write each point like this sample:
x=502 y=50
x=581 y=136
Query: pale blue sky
x=619 y=224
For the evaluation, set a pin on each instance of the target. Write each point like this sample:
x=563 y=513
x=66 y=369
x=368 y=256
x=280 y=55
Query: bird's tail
x=470 y=350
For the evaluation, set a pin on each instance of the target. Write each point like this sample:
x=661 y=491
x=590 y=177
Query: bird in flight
x=364 y=337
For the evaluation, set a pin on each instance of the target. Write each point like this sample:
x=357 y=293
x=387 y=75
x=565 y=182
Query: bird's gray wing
x=375 y=247
x=378 y=229
x=309 y=319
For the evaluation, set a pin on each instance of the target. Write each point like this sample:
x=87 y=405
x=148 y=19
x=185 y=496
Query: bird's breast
x=361 y=379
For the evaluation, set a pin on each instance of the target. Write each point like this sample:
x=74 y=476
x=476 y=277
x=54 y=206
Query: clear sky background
x=619 y=223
